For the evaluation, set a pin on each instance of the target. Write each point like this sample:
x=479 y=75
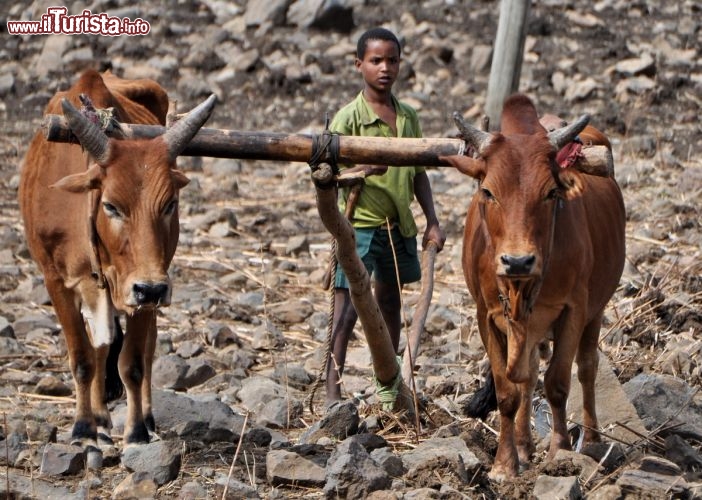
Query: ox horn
x=181 y=133
x=90 y=136
x=475 y=137
x=563 y=136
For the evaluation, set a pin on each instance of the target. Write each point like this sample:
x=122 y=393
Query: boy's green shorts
x=376 y=252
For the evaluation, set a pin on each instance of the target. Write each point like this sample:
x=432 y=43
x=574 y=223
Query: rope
x=330 y=330
x=387 y=394
x=326 y=147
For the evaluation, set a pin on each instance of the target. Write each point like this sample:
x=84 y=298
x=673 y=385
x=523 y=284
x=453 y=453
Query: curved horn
x=180 y=134
x=475 y=137
x=93 y=140
x=563 y=136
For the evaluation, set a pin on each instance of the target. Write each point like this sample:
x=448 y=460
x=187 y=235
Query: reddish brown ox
x=101 y=221
x=543 y=253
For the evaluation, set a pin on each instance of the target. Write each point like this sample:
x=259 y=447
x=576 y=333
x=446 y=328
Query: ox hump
x=519 y=116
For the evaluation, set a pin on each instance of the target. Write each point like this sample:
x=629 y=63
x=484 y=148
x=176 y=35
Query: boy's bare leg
x=344 y=321
x=387 y=295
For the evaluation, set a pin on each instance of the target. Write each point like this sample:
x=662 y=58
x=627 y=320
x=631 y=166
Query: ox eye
x=553 y=194
x=111 y=210
x=170 y=208
x=487 y=194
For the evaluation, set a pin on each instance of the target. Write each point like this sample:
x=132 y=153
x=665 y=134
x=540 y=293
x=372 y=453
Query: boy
x=382 y=211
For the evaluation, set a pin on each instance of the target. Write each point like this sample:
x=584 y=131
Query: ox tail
x=114 y=388
x=483 y=401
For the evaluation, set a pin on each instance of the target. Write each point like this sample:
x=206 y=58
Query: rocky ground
x=240 y=346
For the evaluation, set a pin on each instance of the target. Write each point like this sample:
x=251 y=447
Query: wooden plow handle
x=419 y=317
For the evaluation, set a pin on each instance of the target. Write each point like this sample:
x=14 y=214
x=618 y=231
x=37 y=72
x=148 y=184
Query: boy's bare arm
x=422 y=191
x=367 y=169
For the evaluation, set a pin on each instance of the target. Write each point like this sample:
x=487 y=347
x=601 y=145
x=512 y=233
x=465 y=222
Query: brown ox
x=101 y=221
x=543 y=252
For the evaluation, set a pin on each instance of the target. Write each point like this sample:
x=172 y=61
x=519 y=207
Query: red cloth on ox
x=569 y=154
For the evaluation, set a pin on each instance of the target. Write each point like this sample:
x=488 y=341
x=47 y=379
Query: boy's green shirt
x=388 y=195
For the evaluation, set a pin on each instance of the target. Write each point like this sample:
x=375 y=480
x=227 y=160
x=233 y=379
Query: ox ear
x=80 y=183
x=179 y=179
x=596 y=160
x=473 y=167
x=572 y=183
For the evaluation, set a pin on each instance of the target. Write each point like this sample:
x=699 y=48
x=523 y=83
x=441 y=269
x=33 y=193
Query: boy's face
x=380 y=65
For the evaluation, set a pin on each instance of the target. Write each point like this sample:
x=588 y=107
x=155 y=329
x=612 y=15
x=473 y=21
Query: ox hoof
x=499 y=475
x=104 y=439
x=93 y=458
x=139 y=434
x=83 y=442
x=150 y=423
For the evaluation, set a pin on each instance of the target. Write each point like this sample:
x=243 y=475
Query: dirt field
x=635 y=67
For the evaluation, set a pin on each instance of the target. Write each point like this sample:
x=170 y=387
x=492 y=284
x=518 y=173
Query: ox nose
x=150 y=293
x=518 y=264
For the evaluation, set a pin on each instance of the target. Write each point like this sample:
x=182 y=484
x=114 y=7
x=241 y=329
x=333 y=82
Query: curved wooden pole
x=374 y=328
x=419 y=317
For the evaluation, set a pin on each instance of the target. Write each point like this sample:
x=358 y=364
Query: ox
x=101 y=221
x=543 y=251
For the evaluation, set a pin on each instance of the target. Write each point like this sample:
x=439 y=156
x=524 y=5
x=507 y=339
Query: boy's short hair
x=375 y=34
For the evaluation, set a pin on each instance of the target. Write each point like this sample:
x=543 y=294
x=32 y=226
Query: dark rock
x=6 y=329
x=169 y=372
x=13 y=445
x=234 y=489
x=340 y=422
x=160 y=459
x=557 y=488
x=388 y=461
x=280 y=413
x=662 y=400
x=289 y=467
x=219 y=335
x=62 y=460
x=684 y=455
x=51 y=386
x=352 y=473
x=189 y=349
x=199 y=371
x=136 y=485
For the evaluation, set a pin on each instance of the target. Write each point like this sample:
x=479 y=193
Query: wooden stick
x=419 y=317
x=376 y=332
x=274 y=146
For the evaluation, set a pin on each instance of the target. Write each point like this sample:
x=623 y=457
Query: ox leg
x=557 y=380
x=97 y=394
x=523 y=437
x=506 y=464
x=132 y=369
x=149 y=351
x=113 y=384
x=81 y=358
x=588 y=362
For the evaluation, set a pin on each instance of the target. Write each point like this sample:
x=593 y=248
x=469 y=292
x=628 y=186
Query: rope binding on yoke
x=325 y=149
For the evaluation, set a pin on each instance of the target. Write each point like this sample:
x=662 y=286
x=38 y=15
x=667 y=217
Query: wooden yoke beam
x=219 y=143
x=273 y=146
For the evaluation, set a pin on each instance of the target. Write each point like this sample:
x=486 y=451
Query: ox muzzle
x=516 y=265
x=149 y=294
